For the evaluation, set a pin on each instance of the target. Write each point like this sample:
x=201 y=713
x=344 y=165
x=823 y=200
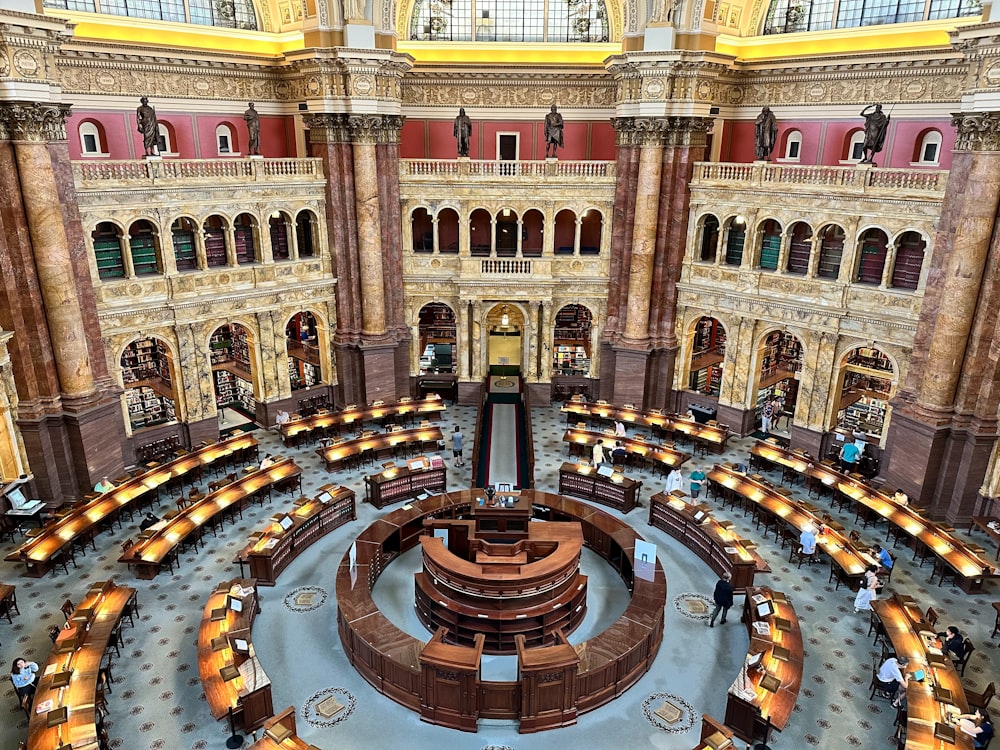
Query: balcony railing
x=506 y=266
x=928 y=182
x=148 y=172
x=548 y=170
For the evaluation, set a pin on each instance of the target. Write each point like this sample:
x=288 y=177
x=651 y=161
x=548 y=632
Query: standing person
x=868 y=591
x=457 y=442
x=766 y=412
x=723 y=596
x=807 y=539
x=697 y=478
x=849 y=454
x=281 y=418
x=778 y=411
x=23 y=674
x=891 y=671
x=462 y=131
x=619 y=428
x=674 y=481
x=598 y=453
x=553 y=131
x=145 y=123
x=252 y=120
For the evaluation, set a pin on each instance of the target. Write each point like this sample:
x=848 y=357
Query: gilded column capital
x=976 y=131
x=33 y=121
x=689 y=131
x=374 y=129
x=664 y=131
x=326 y=127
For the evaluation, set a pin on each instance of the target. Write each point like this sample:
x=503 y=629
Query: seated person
x=884 y=558
x=267 y=461
x=24 y=674
x=148 y=520
x=808 y=540
x=952 y=642
x=977 y=726
x=104 y=485
x=891 y=671
x=901 y=498
x=619 y=454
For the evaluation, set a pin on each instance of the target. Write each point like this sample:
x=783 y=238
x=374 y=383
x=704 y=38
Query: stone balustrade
x=99 y=174
x=537 y=171
x=862 y=179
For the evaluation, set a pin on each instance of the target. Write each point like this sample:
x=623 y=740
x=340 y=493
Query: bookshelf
x=142 y=245
x=770 y=245
x=708 y=351
x=799 y=250
x=303 y=351
x=149 y=394
x=108 y=252
x=571 y=341
x=215 y=246
x=830 y=252
x=230 y=352
x=867 y=382
x=438 y=339
x=584 y=482
x=243 y=241
x=396 y=485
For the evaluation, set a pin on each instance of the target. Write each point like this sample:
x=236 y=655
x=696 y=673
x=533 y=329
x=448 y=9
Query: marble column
x=546 y=337
x=462 y=307
x=366 y=203
x=31 y=126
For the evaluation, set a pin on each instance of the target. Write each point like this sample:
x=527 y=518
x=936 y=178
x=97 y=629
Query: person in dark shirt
x=619 y=454
x=953 y=642
x=723 y=598
x=147 y=521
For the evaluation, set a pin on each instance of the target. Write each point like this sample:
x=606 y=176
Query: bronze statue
x=553 y=131
x=252 y=120
x=463 y=132
x=876 y=125
x=145 y=122
x=765 y=134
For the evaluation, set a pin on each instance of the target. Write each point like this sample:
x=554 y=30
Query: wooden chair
x=67 y=608
x=931 y=616
x=960 y=664
x=25 y=703
x=798 y=555
x=885 y=690
x=887 y=572
x=943 y=571
x=981 y=700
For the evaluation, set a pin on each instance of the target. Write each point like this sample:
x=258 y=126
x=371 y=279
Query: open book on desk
x=253 y=675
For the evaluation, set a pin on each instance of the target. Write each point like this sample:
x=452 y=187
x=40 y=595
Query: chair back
x=67 y=608
x=931 y=617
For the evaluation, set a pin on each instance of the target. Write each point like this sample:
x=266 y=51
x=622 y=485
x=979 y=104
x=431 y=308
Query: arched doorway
x=437 y=327
x=231 y=347
x=780 y=357
x=708 y=351
x=571 y=341
x=148 y=378
x=505 y=327
x=866 y=383
x=302 y=342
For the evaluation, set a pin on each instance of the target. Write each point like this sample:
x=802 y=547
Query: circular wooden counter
x=389 y=659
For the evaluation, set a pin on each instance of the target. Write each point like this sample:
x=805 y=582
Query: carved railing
x=508 y=267
x=551 y=170
x=859 y=179
x=100 y=173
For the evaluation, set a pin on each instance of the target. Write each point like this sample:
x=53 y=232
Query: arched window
x=831 y=250
x=532 y=230
x=591 y=223
x=509 y=21
x=422 y=229
x=280 y=241
x=215 y=241
x=225 y=143
x=735 y=239
x=448 y=234
x=799 y=248
x=480 y=226
x=185 y=256
x=793 y=145
x=231 y=14
x=770 y=245
x=790 y=16
x=855 y=148
x=142 y=246
x=107 y=239
x=909 y=260
x=871 y=264
x=244 y=238
x=505 y=229
x=305 y=229
x=929 y=152
x=709 y=239
x=166 y=143
x=91 y=139
x=565 y=232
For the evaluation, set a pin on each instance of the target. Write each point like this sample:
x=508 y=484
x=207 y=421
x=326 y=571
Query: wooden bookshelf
x=402 y=483
x=615 y=491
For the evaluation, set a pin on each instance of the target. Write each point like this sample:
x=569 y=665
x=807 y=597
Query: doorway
x=505 y=326
x=507 y=150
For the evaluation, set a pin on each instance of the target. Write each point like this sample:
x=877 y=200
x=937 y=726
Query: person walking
x=457 y=440
x=598 y=454
x=723 y=597
x=766 y=412
x=674 y=481
x=697 y=478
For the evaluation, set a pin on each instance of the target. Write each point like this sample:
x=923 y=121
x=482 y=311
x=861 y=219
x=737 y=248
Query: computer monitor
x=17 y=498
x=765 y=608
x=234 y=603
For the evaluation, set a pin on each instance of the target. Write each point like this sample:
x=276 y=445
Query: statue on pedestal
x=553 y=131
x=463 y=132
x=765 y=134
x=876 y=125
x=252 y=120
x=145 y=123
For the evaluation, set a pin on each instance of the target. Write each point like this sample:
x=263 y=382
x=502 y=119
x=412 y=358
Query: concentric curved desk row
x=652 y=452
x=970 y=568
x=37 y=552
x=150 y=553
x=335 y=454
x=427 y=408
x=713 y=436
x=390 y=659
x=64 y=711
x=911 y=637
x=850 y=559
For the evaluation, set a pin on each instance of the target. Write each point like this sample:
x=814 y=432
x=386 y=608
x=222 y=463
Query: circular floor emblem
x=328 y=707
x=498 y=747
x=694 y=606
x=503 y=383
x=305 y=599
x=669 y=713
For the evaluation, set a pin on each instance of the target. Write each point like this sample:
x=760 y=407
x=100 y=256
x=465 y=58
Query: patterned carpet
x=158 y=702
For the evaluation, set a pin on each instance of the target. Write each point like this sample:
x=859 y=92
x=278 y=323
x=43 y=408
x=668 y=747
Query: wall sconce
x=504 y=317
x=739 y=221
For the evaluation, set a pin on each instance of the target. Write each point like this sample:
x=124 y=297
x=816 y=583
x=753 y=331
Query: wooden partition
x=279 y=734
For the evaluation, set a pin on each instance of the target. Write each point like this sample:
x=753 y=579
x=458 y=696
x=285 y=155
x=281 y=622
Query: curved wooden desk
x=82 y=521
x=425 y=408
x=281 y=725
x=652 y=452
x=69 y=680
x=713 y=436
x=970 y=568
x=335 y=454
x=389 y=659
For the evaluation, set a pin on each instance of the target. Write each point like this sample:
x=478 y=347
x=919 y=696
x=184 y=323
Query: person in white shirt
x=892 y=671
x=619 y=429
x=900 y=498
x=281 y=418
x=267 y=461
x=808 y=540
x=674 y=481
x=598 y=453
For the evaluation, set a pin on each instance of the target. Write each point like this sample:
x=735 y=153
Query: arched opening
x=928 y=152
x=182 y=233
x=423 y=231
x=735 y=239
x=854 y=147
x=302 y=343
x=793 y=145
x=92 y=140
x=799 y=248
x=448 y=234
x=148 y=378
x=708 y=352
x=225 y=142
x=866 y=385
x=571 y=341
x=505 y=325
x=480 y=226
x=506 y=233
x=565 y=232
x=306 y=227
x=780 y=357
x=215 y=241
x=142 y=248
x=831 y=250
x=591 y=228
x=165 y=143
x=279 y=226
x=231 y=348
x=770 y=245
x=709 y=245
x=871 y=263
x=532 y=233
x=107 y=238
x=437 y=327
x=245 y=239
x=910 y=249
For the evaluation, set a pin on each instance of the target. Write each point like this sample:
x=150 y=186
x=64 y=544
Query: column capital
x=373 y=129
x=664 y=131
x=33 y=121
x=327 y=127
x=976 y=131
